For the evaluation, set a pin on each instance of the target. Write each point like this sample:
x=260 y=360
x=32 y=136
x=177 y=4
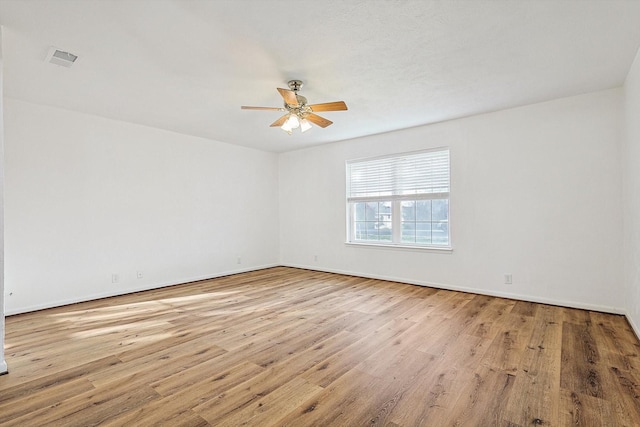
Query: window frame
x=396 y=207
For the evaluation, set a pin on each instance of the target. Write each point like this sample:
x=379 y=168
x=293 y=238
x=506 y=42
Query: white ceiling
x=187 y=66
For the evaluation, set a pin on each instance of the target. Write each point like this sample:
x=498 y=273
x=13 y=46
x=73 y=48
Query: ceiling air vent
x=59 y=57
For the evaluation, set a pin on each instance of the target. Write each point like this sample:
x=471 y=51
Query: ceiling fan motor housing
x=301 y=100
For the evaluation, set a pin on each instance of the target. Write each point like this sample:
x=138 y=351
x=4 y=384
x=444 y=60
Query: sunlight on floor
x=160 y=306
x=136 y=327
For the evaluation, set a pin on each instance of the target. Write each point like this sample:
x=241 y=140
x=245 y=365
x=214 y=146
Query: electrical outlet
x=239 y=260
x=115 y=278
x=139 y=275
x=315 y=258
x=508 y=279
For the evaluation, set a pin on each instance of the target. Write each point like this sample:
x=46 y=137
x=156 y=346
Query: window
x=401 y=200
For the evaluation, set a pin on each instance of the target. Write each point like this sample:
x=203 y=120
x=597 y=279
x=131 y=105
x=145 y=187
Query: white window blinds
x=422 y=174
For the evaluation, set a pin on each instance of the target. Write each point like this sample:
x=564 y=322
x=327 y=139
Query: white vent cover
x=60 y=57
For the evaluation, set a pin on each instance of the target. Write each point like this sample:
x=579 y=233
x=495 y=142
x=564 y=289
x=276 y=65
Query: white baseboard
x=529 y=298
x=635 y=328
x=147 y=287
x=572 y=304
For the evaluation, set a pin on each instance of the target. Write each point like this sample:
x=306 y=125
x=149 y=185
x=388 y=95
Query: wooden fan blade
x=329 y=106
x=289 y=96
x=320 y=121
x=280 y=121
x=244 y=107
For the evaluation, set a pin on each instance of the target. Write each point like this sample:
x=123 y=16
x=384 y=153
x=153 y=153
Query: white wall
x=3 y=363
x=536 y=192
x=631 y=155
x=87 y=197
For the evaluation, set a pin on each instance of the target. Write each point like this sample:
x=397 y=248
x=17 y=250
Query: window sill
x=435 y=249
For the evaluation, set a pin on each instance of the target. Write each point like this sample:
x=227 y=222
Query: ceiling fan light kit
x=299 y=114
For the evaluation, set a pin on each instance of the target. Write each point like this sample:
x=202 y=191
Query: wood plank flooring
x=290 y=347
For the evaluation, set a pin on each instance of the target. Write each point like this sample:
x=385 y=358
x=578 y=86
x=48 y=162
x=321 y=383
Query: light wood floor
x=291 y=347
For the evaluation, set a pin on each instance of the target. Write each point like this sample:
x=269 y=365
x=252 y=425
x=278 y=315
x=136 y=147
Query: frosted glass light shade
x=305 y=125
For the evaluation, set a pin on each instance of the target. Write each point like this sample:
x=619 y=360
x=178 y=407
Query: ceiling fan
x=299 y=114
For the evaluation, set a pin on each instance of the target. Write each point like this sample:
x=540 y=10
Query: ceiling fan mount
x=295 y=85
x=298 y=112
